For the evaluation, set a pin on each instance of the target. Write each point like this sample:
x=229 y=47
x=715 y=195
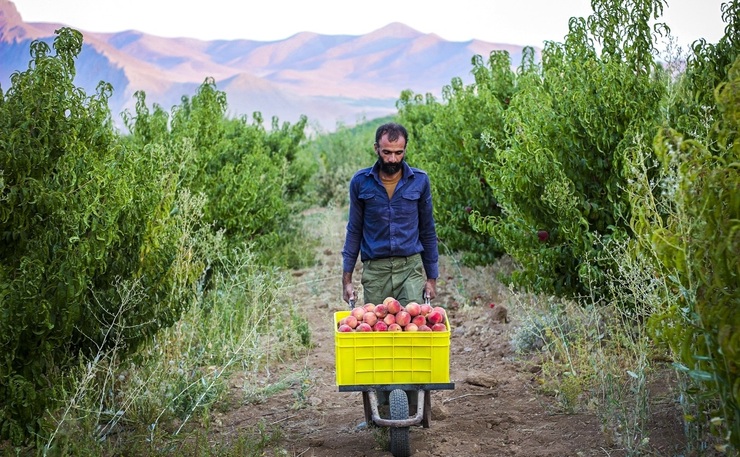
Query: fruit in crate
x=392 y=305
x=436 y=316
x=395 y=328
x=413 y=308
x=358 y=313
x=380 y=326
x=381 y=311
x=364 y=327
x=403 y=318
x=439 y=327
x=425 y=309
x=370 y=318
x=390 y=316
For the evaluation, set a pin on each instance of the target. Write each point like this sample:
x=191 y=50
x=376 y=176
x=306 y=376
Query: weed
x=381 y=436
x=164 y=394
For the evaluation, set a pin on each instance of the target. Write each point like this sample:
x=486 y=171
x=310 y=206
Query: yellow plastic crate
x=367 y=358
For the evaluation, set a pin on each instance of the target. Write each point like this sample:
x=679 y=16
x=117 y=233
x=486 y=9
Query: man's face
x=391 y=154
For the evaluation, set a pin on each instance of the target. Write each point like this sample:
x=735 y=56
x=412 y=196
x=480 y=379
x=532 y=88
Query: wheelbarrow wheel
x=399 y=439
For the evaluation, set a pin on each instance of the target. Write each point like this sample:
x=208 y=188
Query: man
x=391 y=226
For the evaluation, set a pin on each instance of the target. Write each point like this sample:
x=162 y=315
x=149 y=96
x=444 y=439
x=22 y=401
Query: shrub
x=251 y=177
x=80 y=213
x=559 y=177
x=449 y=142
x=688 y=221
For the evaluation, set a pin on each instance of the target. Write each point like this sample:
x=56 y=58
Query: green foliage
x=708 y=65
x=102 y=248
x=244 y=323
x=569 y=125
x=80 y=213
x=691 y=224
x=250 y=176
x=449 y=143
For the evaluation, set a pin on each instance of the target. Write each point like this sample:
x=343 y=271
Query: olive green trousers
x=402 y=278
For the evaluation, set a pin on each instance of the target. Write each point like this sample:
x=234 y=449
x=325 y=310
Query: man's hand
x=348 y=290
x=430 y=288
x=349 y=293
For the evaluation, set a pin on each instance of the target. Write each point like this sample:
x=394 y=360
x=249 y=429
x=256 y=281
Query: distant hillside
x=329 y=78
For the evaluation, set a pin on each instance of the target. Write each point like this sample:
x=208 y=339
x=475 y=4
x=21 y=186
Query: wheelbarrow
x=396 y=372
x=408 y=405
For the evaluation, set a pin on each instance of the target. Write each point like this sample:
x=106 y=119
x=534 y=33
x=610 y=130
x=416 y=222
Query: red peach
x=413 y=308
x=411 y=328
x=389 y=319
x=342 y=321
x=419 y=320
x=403 y=318
x=395 y=328
x=380 y=311
x=440 y=327
x=393 y=305
x=380 y=326
x=345 y=328
x=435 y=317
x=370 y=319
x=369 y=307
x=442 y=311
x=351 y=321
x=364 y=327
x=358 y=312
x=425 y=309
x=424 y=328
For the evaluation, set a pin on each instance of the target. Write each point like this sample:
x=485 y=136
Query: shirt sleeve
x=354 y=229
x=428 y=233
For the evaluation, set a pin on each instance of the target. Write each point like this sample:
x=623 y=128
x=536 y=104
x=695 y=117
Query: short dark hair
x=393 y=130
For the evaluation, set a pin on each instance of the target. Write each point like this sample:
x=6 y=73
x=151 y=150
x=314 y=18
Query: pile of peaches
x=391 y=316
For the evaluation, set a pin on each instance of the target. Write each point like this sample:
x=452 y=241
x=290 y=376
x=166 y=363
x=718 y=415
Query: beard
x=390 y=168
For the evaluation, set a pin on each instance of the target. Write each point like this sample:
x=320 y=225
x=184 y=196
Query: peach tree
x=250 y=175
x=447 y=141
x=559 y=174
x=687 y=219
x=81 y=213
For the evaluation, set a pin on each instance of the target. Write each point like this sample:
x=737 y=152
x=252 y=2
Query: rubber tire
x=399 y=436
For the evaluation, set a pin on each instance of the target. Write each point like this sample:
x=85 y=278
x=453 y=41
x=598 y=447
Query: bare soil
x=495 y=409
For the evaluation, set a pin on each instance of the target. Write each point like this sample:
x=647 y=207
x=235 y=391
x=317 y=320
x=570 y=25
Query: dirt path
x=494 y=410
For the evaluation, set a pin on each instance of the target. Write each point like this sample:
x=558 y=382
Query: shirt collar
x=375 y=171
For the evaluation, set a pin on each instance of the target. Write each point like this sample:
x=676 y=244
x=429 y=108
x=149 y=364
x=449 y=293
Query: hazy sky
x=523 y=22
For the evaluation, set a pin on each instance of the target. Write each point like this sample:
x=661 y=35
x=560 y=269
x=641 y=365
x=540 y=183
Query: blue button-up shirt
x=401 y=226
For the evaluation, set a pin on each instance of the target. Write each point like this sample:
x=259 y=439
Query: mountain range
x=328 y=78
